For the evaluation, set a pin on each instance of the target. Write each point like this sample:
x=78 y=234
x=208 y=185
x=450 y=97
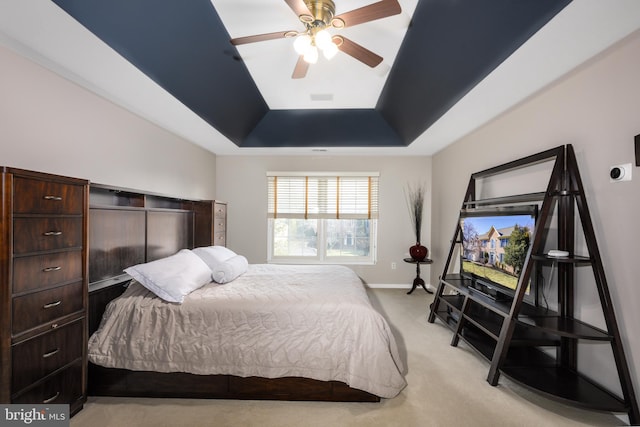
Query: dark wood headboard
x=127 y=227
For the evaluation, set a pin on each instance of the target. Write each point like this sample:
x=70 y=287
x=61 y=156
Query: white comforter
x=273 y=321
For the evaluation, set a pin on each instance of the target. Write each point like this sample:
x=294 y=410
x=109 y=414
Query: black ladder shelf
x=509 y=333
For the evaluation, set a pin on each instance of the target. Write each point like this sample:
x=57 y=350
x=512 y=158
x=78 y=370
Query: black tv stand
x=513 y=335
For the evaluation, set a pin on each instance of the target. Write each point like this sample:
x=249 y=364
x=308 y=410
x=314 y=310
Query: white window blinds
x=334 y=196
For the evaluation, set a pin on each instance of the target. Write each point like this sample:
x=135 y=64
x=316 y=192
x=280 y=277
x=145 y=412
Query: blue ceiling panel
x=184 y=47
x=325 y=128
x=450 y=46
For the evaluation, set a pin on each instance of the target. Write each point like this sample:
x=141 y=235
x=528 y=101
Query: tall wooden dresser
x=43 y=288
x=210 y=223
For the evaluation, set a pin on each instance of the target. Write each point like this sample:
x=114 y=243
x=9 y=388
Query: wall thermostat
x=620 y=173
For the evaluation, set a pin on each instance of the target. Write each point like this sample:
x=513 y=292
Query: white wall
x=596 y=110
x=51 y=125
x=242 y=182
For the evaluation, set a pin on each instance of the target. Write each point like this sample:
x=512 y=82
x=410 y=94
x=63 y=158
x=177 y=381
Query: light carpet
x=446 y=387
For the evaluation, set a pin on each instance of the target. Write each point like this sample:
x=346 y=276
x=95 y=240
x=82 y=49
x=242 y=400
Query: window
x=322 y=217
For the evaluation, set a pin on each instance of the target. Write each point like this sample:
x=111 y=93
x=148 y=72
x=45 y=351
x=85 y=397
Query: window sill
x=315 y=262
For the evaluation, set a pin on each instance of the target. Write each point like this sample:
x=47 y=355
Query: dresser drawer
x=44 y=354
x=36 y=196
x=45 y=234
x=63 y=387
x=43 y=271
x=219 y=210
x=41 y=307
x=219 y=239
x=219 y=224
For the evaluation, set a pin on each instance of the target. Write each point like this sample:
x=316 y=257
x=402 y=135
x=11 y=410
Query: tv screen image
x=494 y=246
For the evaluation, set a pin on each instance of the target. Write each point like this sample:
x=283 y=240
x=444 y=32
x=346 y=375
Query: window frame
x=321 y=257
x=309 y=210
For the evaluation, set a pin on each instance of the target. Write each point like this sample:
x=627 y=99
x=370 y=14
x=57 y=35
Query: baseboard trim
x=392 y=286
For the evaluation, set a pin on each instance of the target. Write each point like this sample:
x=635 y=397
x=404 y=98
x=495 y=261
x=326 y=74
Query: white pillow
x=214 y=255
x=173 y=277
x=230 y=269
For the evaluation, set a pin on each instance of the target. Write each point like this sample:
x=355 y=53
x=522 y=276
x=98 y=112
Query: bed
x=272 y=322
x=275 y=332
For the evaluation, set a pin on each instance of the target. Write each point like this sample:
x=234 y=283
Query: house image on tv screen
x=496 y=245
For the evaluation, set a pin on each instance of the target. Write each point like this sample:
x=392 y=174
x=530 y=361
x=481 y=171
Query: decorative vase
x=418 y=252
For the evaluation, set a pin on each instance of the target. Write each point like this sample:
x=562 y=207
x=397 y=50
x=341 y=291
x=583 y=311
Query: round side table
x=418 y=280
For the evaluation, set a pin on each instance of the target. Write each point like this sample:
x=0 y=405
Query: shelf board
x=480 y=342
x=566 y=327
x=564 y=193
x=116 y=207
x=461 y=285
x=524 y=336
x=538 y=371
x=565 y=260
x=447 y=318
x=486 y=320
x=566 y=386
x=454 y=301
x=520 y=352
x=517 y=198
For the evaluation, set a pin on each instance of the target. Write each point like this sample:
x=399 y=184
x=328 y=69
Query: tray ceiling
x=443 y=61
x=447 y=48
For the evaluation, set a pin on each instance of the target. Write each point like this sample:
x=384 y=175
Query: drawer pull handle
x=52 y=233
x=51 y=353
x=52 y=304
x=56 y=198
x=52 y=398
x=49 y=269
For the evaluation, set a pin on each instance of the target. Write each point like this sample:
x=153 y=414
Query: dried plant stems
x=414 y=196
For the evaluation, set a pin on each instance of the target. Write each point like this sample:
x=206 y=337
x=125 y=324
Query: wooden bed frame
x=128 y=227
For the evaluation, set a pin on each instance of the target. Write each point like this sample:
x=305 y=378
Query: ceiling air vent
x=321 y=96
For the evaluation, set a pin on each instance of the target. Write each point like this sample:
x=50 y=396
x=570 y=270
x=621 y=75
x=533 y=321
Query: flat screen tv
x=495 y=243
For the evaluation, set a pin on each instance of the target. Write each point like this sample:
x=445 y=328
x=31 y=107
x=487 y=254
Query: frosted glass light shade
x=311 y=55
x=330 y=51
x=302 y=44
x=323 y=39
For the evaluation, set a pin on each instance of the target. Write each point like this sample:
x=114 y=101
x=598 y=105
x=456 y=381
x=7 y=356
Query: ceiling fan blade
x=263 y=37
x=301 y=68
x=299 y=8
x=379 y=10
x=360 y=53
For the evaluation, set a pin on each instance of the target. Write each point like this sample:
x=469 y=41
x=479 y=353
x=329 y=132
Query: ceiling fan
x=317 y=16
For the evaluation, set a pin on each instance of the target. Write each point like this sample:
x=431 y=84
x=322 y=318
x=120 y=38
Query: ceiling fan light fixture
x=311 y=55
x=319 y=15
x=302 y=44
x=323 y=39
x=330 y=51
